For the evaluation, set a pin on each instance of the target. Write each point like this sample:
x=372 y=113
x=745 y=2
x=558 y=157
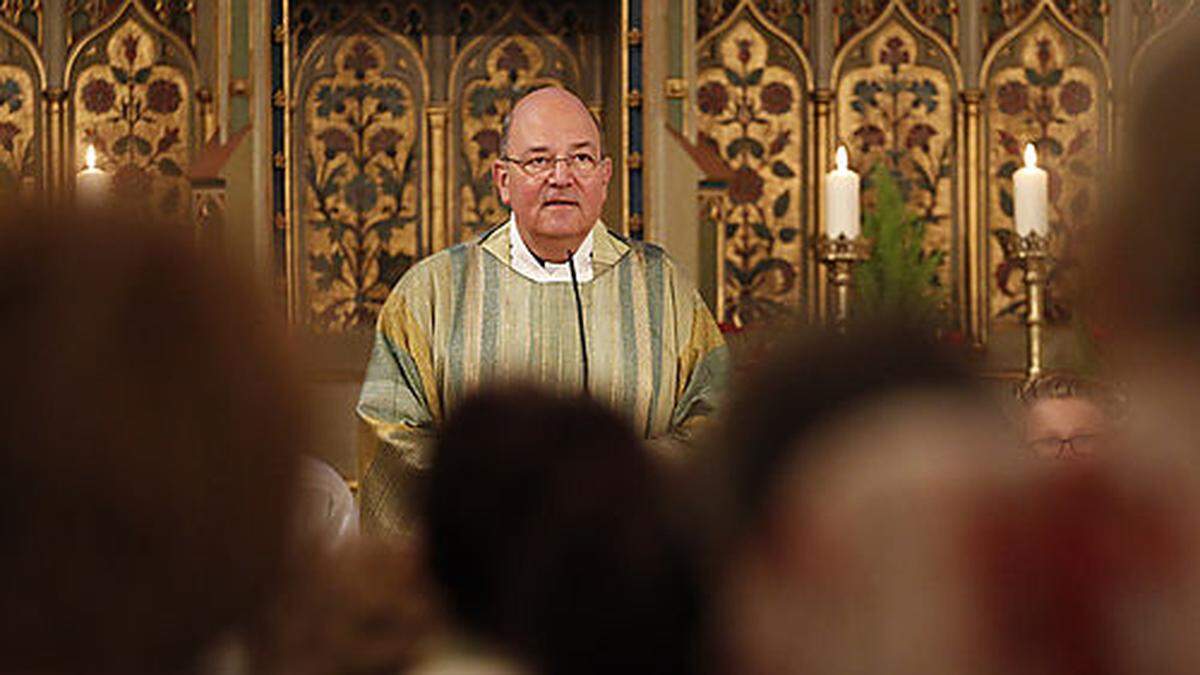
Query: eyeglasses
x=581 y=164
x=1075 y=446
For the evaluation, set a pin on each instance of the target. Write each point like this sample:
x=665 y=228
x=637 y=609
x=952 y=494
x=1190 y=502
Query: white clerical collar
x=523 y=261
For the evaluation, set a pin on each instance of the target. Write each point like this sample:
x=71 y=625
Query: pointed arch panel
x=751 y=110
x=358 y=149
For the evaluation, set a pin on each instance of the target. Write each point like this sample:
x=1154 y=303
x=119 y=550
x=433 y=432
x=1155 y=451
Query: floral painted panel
x=854 y=16
x=18 y=130
x=25 y=16
x=498 y=74
x=793 y=17
x=20 y=121
x=571 y=22
x=311 y=18
x=750 y=105
x=1044 y=88
x=179 y=16
x=359 y=188
x=1090 y=16
x=896 y=108
x=1152 y=16
x=135 y=109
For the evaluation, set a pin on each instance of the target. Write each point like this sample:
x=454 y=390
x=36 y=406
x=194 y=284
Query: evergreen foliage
x=900 y=276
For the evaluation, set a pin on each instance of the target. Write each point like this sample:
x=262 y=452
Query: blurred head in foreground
x=547 y=537
x=888 y=527
x=1143 y=273
x=147 y=447
x=1145 y=282
x=1065 y=417
x=827 y=429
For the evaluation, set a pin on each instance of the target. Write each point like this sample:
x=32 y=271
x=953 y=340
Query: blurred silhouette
x=149 y=434
x=548 y=537
x=881 y=424
x=886 y=527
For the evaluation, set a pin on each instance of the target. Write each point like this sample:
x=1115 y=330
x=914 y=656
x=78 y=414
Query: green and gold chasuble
x=464 y=317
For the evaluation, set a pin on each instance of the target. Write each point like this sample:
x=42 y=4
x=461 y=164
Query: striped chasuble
x=464 y=317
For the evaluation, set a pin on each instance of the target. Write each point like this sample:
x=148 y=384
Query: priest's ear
x=501 y=173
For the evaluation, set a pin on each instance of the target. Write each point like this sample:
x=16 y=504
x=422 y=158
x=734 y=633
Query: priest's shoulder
x=648 y=253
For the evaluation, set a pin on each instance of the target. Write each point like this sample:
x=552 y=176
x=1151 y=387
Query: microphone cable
x=579 y=315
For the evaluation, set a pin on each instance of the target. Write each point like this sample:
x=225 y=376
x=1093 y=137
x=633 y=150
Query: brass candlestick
x=1034 y=250
x=839 y=256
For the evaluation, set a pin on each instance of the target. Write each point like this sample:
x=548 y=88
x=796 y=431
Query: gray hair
x=506 y=122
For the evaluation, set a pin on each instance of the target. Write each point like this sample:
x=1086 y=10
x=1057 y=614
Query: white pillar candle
x=92 y=185
x=1031 y=196
x=842 y=199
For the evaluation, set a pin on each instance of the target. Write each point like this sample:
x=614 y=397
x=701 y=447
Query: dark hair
x=148 y=440
x=546 y=534
x=809 y=379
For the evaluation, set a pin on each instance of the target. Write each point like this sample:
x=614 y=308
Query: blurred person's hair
x=1066 y=385
x=547 y=536
x=149 y=434
x=809 y=379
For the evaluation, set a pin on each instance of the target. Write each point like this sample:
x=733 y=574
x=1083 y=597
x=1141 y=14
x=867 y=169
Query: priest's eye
x=583 y=162
x=537 y=164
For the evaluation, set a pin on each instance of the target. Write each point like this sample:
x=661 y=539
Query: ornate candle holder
x=1034 y=251
x=839 y=256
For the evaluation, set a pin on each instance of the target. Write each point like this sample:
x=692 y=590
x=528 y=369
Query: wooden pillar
x=57 y=156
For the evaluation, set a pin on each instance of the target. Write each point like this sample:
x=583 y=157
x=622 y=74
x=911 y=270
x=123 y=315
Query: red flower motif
x=488 y=141
x=1013 y=98
x=712 y=98
x=776 y=98
x=919 y=136
x=169 y=138
x=743 y=50
x=869 y=136
x=1010 y=143
x=163 y=97
x=894 y=54
x=513 y=58
x=336 y=141
x=130 y=43
x=8 y=133
x=99 y=96
x=384 y=141
x=360 y=60
x=1075 y=97
x=746 y=186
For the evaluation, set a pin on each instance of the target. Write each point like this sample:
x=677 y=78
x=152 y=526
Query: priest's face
x=552 y=174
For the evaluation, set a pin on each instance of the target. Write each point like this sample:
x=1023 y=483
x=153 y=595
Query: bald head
x=545 y=102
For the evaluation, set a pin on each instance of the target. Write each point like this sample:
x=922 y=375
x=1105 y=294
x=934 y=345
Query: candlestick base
x=840 y=255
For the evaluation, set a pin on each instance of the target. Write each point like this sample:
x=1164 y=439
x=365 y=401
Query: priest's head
x=552 y=171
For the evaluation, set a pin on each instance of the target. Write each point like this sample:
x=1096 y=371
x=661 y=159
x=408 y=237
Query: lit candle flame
x=1030 y=155
x=843 y=159
x=90 y=157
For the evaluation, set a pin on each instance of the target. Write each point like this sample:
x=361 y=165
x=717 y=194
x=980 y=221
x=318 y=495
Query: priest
x=551 y=297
